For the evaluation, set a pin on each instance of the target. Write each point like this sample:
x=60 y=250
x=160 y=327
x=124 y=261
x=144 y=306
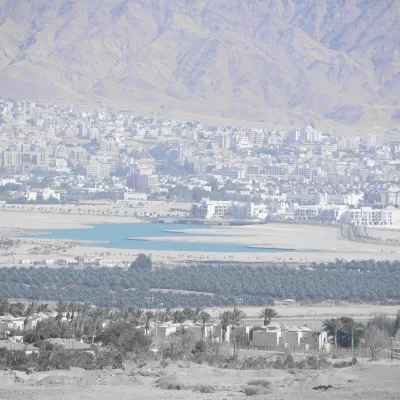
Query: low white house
x=290 y=337
x=8 y=322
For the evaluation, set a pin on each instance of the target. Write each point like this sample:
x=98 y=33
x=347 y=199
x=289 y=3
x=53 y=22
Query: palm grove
x=213 y=285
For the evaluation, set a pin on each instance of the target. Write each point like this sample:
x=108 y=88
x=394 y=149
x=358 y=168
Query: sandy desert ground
x=367 y=381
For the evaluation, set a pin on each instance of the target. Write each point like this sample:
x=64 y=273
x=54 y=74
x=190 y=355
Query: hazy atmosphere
x=199 y=199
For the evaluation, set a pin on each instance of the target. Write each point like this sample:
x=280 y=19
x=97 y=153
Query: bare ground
x=367 y=381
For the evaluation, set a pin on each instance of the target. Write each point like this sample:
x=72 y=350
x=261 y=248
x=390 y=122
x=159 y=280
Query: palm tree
x=187 y=313
x=28 y=312
x=225 y=319
x=66 y=331
x=204 y=318
x=84 y=311
x=165 y=316
x=61 y=308
x=17 y=309
x=72 y=309
x=268 y=314
x=236 y=317
x=351 y=327
x=43 y=308
x=333 y=325
x=177 y=317
x=4 y=306
x=196 y=314
x=42 y=331
x=148 y=317
x=126 y=314
x=95 y=321
x=396 y=325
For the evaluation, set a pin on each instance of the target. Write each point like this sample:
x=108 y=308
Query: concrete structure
x=144 y=183
x=368 y=216
x=12 y=345
x=276 y=337
x=8 y=322
x=209 y=209
x=99 y=170
x=270 y=339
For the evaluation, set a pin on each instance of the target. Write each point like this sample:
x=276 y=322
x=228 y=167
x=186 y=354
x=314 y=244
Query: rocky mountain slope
x=331 y=61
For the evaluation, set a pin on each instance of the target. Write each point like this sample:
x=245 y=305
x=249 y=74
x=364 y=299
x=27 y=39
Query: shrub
x=203 y=388
x=164 y=363
x=254 y=390
x=342 y=364
x=316 y=362
x=289 y=361
x=170 y=382
x=260 y=382
x=178 y=345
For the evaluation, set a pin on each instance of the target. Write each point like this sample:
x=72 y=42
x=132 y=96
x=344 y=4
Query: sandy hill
x=329 y=61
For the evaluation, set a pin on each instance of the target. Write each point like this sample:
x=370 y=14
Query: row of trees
x=377 y=334
x=82 y=320
x=366 y=281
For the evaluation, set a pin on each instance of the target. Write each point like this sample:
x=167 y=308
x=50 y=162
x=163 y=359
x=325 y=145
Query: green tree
x=225 y=322
x=332 y=326
x=17 y=309
x=4 y=306
x=142 y=262
x=124 y=336
x=43 y=330
x=178 y=345
x=268 y=314
x=351 y=327
x=205 y=318
x=376 y=340
x=148 y=317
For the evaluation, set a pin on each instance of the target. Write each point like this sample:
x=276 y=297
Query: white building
x=290 y=337
x=374 y=140
x=210 y=209
x=351 y=199
x=368 y=216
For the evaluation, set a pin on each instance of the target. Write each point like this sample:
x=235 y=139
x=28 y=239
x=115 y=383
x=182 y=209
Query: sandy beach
x=312 y=243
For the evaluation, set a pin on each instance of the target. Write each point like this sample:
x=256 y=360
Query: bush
x=203 y=388
x=260 y=382
x=318 y=362
x=289 y=361
x=254 y=390
x=178 y=345
x=170 y=382
x=345 y=364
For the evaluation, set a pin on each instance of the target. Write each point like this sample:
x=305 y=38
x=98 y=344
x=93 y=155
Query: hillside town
x=62 y=154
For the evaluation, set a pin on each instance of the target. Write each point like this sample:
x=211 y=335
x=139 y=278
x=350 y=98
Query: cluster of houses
x=271 y=337
x=8 y=323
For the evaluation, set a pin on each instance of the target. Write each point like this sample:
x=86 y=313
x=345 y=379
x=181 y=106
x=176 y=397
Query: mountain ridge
x=330 y=61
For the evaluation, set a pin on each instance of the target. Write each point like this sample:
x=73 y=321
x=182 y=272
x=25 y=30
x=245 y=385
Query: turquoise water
x=118 y=234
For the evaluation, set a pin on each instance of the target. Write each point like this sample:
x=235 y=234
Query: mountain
x=334 y=62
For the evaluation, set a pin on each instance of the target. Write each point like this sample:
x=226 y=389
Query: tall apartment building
x=256 y=137
x=350 y=143
x=12 y=160
x=374 y=140
x=42 y=159
x=144 y=183
x=99 y=169
x=223 y=140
